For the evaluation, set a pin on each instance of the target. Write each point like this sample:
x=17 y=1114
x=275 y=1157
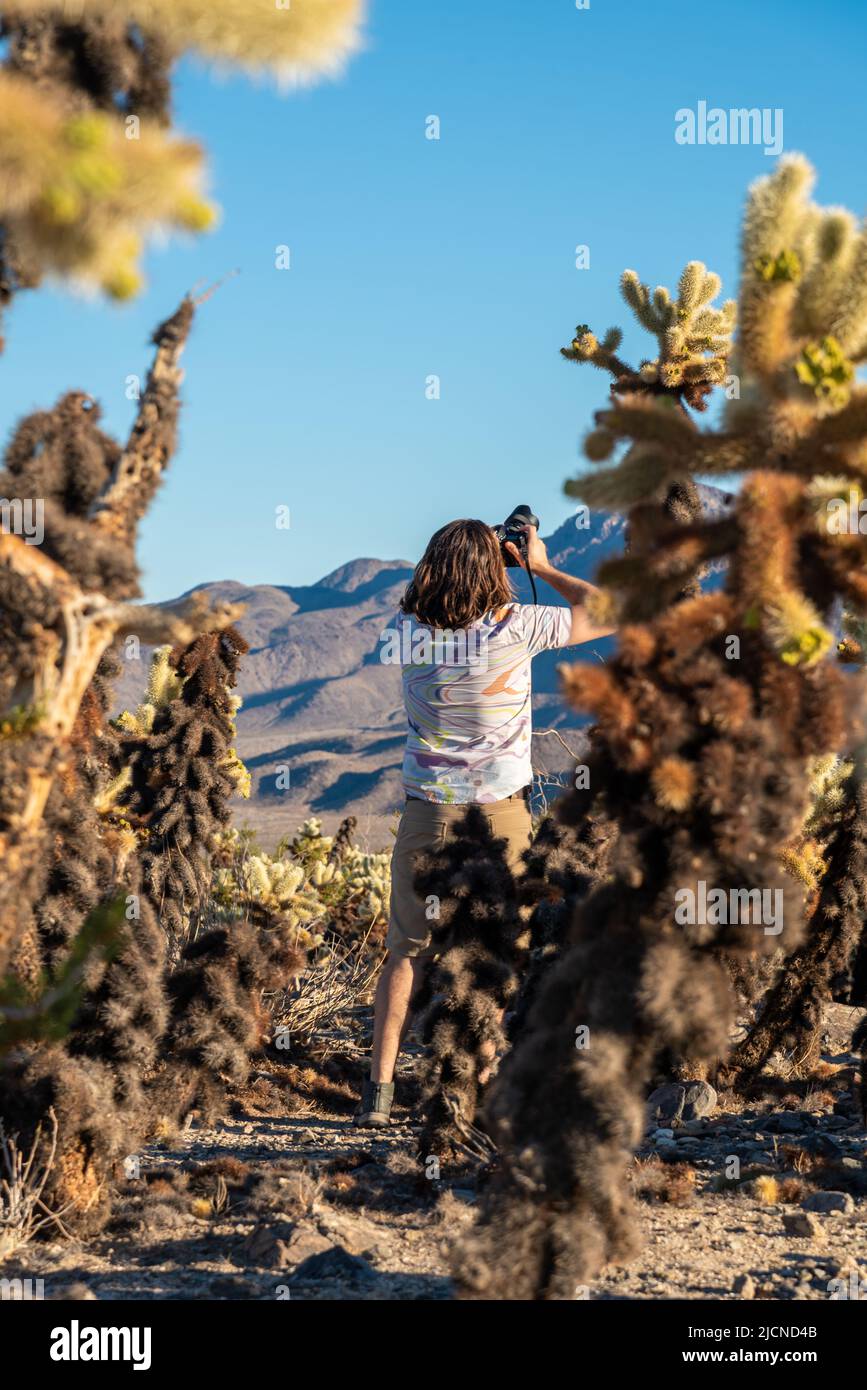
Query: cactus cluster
x=138 y=1007
x=80 y=196
x=321 y=884
x=708 y=722
x=693 y=338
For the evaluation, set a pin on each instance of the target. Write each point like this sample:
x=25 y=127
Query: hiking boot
x=374 y=1108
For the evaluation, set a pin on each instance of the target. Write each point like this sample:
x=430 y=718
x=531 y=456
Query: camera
x=512 y=529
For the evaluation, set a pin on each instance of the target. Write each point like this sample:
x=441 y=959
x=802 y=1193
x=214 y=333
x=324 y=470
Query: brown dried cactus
x=706 y=720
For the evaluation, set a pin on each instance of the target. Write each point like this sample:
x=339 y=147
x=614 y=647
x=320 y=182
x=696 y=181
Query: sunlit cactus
x=95 y=817
x=297 y=40
x=708 y=721
x=78 y=197
x=89 y=167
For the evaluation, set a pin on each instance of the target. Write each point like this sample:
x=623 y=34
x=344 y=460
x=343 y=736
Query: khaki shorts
x=425 y=825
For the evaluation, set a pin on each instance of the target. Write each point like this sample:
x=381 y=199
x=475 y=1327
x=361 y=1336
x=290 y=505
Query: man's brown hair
x=460 y=576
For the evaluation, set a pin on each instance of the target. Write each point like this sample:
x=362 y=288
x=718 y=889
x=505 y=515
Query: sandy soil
x=286 y=1199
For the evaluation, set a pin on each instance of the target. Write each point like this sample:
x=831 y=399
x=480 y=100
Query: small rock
x=78 y=1292
x=662 y=1134
x=355 y=1234
x=822 y=1145
x=681 y=1101
x=307 y=1242
x=665 y=1104
x=335 y=1263
x=700 y=1100
x=785 y=1122
x=801 y=1223
x=694 y=1127
x=828 y=1201
x=270 y=1246
x=744 y=1286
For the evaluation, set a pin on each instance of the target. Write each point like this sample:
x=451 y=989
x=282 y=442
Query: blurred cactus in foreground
x=296 y=40
x=77 y=196
x=91 y=812
x=89 y=168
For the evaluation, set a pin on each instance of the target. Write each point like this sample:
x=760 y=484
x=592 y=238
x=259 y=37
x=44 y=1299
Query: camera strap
x=532 y=583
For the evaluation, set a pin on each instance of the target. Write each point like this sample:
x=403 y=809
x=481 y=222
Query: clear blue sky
x=456 y=257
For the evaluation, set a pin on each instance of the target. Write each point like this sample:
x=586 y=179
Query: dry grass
x=671 y=1183
x=24 y=1176
x=792 y=1189
x=765 y=1188
x=330 y=989
x=802 y=1160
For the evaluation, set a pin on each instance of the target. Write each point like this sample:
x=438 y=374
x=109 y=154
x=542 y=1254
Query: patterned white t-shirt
x=467 y=699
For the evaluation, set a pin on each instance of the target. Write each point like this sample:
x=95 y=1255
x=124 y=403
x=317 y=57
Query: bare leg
x=398 y=983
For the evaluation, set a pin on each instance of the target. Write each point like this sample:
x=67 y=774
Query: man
x=466 y=648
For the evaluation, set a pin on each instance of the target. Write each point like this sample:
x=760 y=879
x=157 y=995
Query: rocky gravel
x=764 y=1199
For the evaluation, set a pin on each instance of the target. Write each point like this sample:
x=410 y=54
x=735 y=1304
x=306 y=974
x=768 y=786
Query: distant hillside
x=318 y=700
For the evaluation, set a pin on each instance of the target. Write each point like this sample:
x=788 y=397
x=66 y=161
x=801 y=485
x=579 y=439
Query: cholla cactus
x=473 y=979
x=75 y=198
x=707 y=720
x=297 y=41
x=217 y=1019
x=342 y=843
x=318 y=891
x=565 y=861
x=182 y=771
x=62 y=602
x=88 y=169
x=164 y=685
x=803 y=298
x=282 y=888
x=309 y=845
x=830 y=782
x=368 y=877
x=78 y=197
x=648 y=404
x=829 y=857
x=791 y=1017
x=806 y=857
x=693 y=337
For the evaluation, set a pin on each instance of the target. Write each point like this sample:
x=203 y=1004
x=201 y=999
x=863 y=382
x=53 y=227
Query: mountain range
x=319 y=704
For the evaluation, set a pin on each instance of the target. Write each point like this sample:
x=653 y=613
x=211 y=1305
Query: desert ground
x=286 y=1199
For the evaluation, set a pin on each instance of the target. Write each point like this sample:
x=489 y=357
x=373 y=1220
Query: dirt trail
x=286 y=1199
